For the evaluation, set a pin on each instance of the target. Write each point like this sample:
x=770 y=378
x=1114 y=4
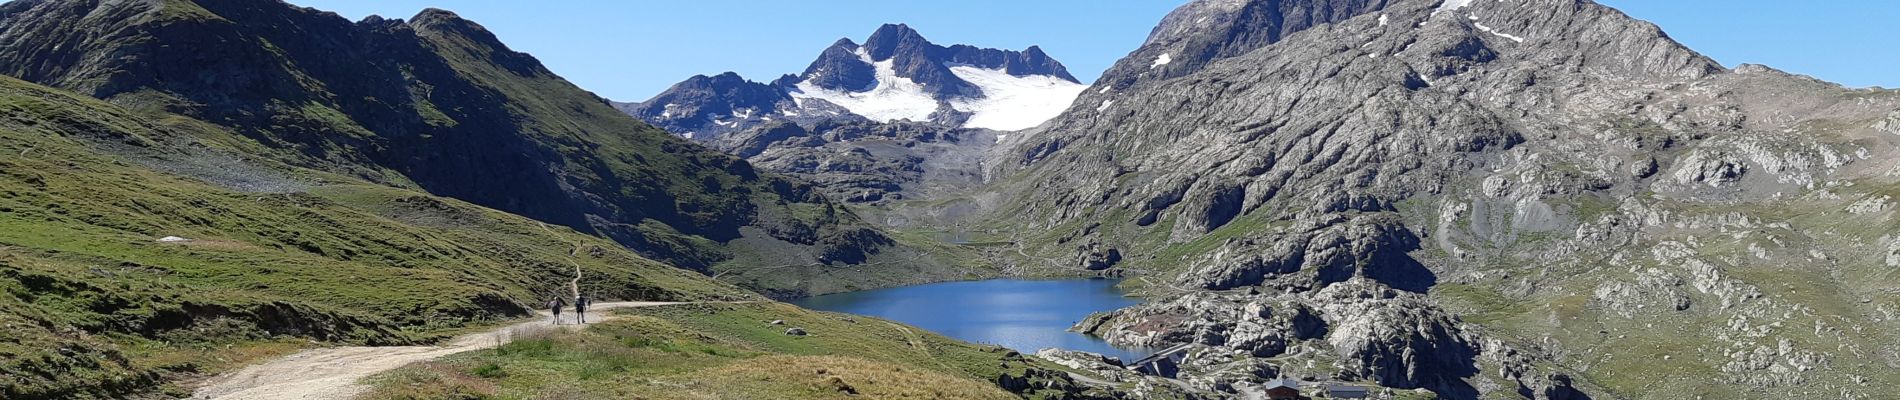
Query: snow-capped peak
x=895 y=75
x=892 y=98
x=914 y=80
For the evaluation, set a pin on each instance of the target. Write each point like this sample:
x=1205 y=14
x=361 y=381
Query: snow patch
x=667 y=111
x=173 y=239
x=1383 y=19
x=1164 y=59
x=1013 y=102
x=1105 y=105
x=1500 y=34
x=891 y=98
x=1450 y=5
x=1105 y=89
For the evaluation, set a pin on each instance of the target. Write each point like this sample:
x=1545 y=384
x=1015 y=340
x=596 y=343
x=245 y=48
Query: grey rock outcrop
x=1373 y=333
x=865 y=162
x=1474 y=197
x=709 y=105
x=1096 y=364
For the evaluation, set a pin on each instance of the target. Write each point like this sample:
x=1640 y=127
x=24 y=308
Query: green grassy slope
x=731 y=351
x=435 y=103
x=93 y=305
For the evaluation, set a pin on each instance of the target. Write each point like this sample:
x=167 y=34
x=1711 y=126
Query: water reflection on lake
x=1026 y=315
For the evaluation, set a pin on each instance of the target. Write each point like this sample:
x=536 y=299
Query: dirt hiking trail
x=333 y=373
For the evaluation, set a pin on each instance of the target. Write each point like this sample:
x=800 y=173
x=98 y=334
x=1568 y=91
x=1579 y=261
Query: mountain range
x=1460 y=199
x=896 y=75
x=192 y=175
x=437 y=103
x=1483 y=198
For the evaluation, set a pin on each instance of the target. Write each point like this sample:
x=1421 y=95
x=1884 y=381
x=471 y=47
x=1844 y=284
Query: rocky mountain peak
x=892 y=39
x=723 y=77
x=842 y=66
x=432 y=15
x=720 y=99
x=437 y=102
x=1303 y=150
x=1203 y=31
x=450 y=27
x=1035 y=62
x=908 y=55
x=440 y=21
x=914 y=57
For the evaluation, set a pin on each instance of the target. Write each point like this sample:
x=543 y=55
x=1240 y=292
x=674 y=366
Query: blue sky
x=631 y=50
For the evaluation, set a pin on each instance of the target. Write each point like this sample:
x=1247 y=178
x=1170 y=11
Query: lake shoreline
x=1022 y=314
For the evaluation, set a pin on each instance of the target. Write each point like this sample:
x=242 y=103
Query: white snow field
x=1013 y=102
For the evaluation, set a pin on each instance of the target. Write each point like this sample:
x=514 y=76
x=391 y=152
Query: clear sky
x=1850 y=42
x=631 y=50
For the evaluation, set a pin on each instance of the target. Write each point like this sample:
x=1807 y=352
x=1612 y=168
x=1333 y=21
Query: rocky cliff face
x=435 y=102
x=841 y=67
x=1482 y=198
x=694 y=107
x=894 y=76
x=867 y=162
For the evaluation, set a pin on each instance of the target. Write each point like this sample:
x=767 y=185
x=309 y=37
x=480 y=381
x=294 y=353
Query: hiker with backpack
x=580 y=308
x=555 y=306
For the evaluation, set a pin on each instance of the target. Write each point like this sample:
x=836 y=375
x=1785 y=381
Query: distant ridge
x=895 y=75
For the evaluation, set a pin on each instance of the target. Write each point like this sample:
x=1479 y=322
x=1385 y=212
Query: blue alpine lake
x=1025 y=315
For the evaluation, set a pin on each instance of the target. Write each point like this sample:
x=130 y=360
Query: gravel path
x=334 y=373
